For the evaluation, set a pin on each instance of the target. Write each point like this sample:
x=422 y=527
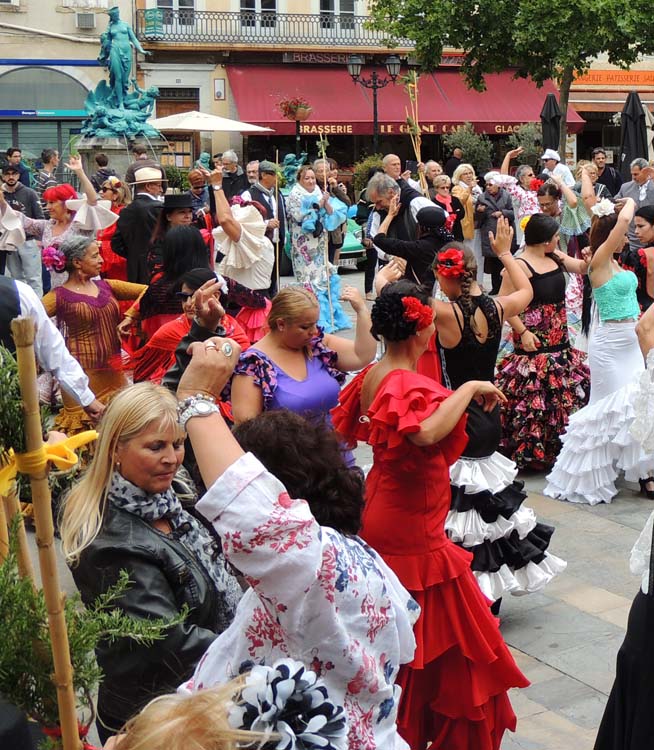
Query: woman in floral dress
x=544 y=379
x=309 y=249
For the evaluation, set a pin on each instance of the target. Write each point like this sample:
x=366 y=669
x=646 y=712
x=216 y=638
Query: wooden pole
x=11 y=506
x=23 y=330
x=4 y=533
x=328 y=275
x=276 y=199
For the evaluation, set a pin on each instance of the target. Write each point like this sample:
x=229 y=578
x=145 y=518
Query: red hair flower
x=416 y=312
x=450 y=263
x=535 y=184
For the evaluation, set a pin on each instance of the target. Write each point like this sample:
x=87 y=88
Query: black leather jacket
x=165 y=576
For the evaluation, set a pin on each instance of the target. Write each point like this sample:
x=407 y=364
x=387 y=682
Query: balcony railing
x=261 y=29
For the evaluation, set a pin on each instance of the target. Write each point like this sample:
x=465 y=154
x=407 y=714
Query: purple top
x=312 y=397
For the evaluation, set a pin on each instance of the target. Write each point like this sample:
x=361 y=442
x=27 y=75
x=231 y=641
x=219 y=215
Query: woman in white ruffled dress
x=598 y=443
x=487 y=515
x=248 y=255
x=309 y=238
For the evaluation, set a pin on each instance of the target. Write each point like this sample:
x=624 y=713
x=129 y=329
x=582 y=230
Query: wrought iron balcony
x=267 y=29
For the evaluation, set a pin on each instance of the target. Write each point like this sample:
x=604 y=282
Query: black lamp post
x=375 y=82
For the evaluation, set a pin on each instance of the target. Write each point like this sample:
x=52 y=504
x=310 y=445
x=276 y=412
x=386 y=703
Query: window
x=264 y=10
x=9 y=2
x=330 y=10
x=184 y=16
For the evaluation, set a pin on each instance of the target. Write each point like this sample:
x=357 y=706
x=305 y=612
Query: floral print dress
x=543 y=388
x=311 y=267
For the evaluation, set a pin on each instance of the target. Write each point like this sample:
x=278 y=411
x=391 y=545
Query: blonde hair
x=456 y=177
x=441 y=179
x=123 y=194
x=303 y=170
x=581 y=165
x=289 y=303
x=190 y=722
x=130 y=412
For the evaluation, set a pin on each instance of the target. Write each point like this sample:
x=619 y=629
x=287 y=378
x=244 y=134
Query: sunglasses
x=184 y=295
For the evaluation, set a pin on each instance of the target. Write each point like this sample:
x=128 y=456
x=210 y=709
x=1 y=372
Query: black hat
x=10 y=168
x=177 y=200
x=431 y=217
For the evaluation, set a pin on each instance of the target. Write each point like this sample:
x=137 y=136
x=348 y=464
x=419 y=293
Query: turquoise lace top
x=616 y=299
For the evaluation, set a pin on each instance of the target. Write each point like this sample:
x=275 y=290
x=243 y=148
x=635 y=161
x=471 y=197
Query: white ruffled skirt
x=488 y=518
x=598 y=443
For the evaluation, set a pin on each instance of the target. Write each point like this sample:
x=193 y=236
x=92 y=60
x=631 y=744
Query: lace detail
x=642 y=428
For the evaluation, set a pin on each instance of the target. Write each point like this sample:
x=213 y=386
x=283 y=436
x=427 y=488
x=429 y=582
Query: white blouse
x=318 y=596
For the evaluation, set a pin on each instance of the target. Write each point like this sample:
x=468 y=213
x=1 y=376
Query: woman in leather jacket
x=125 y=514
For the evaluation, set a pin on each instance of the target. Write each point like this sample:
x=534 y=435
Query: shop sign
x=615 y=78
x=18 y=113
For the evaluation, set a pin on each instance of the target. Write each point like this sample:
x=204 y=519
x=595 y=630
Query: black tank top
x=470 y=359
x=549 y=287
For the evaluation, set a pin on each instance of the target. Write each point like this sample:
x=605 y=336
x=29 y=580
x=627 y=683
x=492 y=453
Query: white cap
x=550 y=153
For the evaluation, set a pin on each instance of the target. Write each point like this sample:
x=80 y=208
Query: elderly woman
x=68 y=215
x=126 y=513
x=452 y=206
x=494 y=203
x=86 y=311
x=522 y=188
x=114 y=266
x=309 y=240
x=317 y=593
x=295 y=365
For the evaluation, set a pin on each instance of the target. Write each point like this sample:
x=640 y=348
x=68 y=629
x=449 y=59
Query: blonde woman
x=465 y=188
x=116 y=191
x=125 y=514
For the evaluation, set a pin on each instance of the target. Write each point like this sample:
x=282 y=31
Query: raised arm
x=516 y=301
x=506 y=163
x=224 y=215
x=568 y=194
x=354 y=355
x=75 y=165
x=614 y=242
x=587 y=191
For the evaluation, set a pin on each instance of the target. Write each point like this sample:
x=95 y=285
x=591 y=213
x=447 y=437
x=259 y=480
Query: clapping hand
x=352 y=295
x=74 y=164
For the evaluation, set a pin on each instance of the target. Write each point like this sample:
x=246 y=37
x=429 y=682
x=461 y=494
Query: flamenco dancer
x=597 y=443
x=454 y=692
x=486 y=515
x=544 y=379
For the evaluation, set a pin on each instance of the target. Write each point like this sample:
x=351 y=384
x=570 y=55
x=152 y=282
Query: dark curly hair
x=308 y=459
x=387 y=313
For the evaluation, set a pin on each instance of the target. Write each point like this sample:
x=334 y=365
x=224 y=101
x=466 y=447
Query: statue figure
x=116 y=54
x=203 y=162
x=291 y=166
x=113 y=109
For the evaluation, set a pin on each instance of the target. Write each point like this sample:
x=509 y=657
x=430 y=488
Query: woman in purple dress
x=296 y=366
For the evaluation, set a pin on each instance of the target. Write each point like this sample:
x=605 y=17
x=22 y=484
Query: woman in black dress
x=487 y=516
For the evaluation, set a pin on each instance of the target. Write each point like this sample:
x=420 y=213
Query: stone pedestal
x=117 y=150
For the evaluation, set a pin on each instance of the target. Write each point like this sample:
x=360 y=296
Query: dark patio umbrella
x=633 y=140
x=550 y=120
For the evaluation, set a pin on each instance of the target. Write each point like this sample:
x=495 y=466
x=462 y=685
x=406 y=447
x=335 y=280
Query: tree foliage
x=530 y=138
x=477 y=147
x=540 y=39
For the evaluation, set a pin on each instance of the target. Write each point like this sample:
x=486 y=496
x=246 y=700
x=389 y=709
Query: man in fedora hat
x=137 y=221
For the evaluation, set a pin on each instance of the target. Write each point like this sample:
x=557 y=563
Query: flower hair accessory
x=603 y=208
x=524 y=221
x=291 y=701
x=53 y=259
x=535 y=184
x=450 y=263
x=415 y=311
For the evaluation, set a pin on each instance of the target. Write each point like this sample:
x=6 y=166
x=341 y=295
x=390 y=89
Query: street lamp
x=354 y=65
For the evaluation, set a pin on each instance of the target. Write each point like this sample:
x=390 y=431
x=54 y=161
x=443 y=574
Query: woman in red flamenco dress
x=454 y=693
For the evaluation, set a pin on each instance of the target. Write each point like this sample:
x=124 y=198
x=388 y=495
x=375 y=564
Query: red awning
x=341 y=107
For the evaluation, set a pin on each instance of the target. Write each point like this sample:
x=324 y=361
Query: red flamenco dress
x=454 y=692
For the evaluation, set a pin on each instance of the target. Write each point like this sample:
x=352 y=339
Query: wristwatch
x=200 y=405
x=217 y=187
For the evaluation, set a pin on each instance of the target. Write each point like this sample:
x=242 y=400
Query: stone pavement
x=566 y=638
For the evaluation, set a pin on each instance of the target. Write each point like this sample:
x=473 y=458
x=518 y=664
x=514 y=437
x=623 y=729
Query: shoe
x=370 y=296
x=645 y=490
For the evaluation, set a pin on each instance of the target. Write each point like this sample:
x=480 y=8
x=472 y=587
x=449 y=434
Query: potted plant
x=295 y=108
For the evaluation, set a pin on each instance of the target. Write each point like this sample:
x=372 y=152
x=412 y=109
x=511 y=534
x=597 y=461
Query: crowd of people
x=503 y=327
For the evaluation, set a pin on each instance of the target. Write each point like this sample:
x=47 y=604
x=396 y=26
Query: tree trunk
x=566 y=79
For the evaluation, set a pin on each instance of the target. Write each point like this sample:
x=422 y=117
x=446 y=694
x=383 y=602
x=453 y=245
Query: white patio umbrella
x=198 y=122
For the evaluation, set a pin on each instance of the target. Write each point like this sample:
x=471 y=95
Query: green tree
x=477 y=147
x=530 y=138
x=540 y=39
